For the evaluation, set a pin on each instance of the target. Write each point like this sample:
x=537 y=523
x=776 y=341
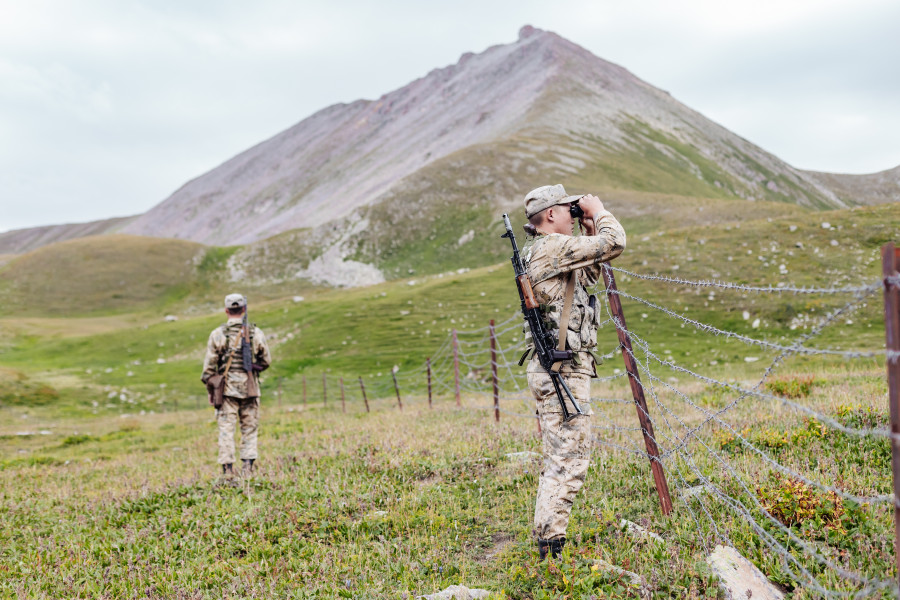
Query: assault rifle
x=544 y=344
x=247 y=357
x=246 y=346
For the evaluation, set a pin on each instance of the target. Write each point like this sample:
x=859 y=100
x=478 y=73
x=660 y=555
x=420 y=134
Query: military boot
x=247 y=468
x=554 y=547
x=228 y=471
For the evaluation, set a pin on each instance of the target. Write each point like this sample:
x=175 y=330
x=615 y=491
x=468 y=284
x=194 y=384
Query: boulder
x=740 y=579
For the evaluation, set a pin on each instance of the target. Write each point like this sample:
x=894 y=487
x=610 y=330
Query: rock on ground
x=740 y=579
x=523 y=456
x=460 y=592
x=632 y=578
x=636 y=531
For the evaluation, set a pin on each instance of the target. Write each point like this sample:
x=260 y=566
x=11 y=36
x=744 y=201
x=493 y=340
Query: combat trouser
x=247 y=411
x=567 y=453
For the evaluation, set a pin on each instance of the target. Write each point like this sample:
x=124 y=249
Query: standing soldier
x=560 y=267
x=241 y=395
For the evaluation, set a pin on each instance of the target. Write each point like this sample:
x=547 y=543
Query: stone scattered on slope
x=460 y=592
x=523 y=456
x=632 y=578
x=636 y=531
x=740 y=579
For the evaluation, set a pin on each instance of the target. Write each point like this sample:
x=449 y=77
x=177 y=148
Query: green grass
x=389 y=503
x=100 y=274
x=366 y=331
x=111 y=488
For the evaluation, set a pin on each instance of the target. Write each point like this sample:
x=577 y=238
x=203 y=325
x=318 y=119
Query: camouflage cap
x=233 y=301
x=546 y=196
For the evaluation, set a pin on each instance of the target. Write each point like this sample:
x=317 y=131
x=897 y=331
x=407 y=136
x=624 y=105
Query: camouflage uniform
x=549 y=259
x=239 y=404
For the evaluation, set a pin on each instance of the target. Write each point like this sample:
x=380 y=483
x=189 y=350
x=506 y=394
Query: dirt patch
x=499 y=541
x=430 y=480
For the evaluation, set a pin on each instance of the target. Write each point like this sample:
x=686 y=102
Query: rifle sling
x=564 y=318
x=230 y=357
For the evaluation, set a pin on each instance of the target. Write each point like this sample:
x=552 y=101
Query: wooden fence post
x=494 y=381
x=890 y=261
x=362 y=387
x=637 y=390
x=397 y=389
x=428 y=370
x=343 y=404
x=456 y=366
x=324 y=391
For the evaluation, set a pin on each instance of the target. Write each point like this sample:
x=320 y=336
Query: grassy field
x=394 y=504
x=109 y=487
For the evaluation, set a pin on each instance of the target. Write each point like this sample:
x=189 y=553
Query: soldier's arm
x=564 y=253
x=604 y=225
x=211 y=360
x=261 y=358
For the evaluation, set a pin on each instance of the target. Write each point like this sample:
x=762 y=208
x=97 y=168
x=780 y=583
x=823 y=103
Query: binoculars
x=575 y=211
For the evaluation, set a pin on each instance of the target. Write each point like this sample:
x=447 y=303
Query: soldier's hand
x=591 y=205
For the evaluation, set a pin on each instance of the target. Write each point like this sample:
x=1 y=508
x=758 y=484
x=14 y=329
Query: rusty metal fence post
x=397 y=389
x=428 y=370
x=890 y=262
x=362 y=387
x=343 y=403
x=456 y=366
x=637 y=390
x=494 y=381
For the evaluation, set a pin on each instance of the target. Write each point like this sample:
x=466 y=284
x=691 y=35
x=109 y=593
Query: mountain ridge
x=348 y=156
x=469 y=139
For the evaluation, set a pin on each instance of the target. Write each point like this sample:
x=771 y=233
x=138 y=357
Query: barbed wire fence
x=720 y=470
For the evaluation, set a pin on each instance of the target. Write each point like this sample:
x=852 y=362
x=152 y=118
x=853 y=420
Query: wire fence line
x=699 y=439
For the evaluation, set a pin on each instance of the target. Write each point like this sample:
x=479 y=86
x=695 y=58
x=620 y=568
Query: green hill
x=99 y=274
x=366 y=331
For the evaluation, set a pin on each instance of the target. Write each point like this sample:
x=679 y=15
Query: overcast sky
x=108 y=106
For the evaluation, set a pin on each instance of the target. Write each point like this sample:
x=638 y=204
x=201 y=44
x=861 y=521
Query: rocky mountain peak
x=541 y=86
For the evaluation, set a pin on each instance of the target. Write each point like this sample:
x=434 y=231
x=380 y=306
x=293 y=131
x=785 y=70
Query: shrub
x=74 y=440
x=855 y=415
x=28 y=394
x=816 y=513
x=791 y=387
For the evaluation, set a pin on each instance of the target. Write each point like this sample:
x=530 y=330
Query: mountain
x=19 y=241
x=413 y=183
x=874 y=188
x=541 y=105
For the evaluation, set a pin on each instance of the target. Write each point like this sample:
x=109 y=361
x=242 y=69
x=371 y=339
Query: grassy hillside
x=106 y=474
x=95 y=276
x=367 y=331
x=445 y=216
x=99 y=274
